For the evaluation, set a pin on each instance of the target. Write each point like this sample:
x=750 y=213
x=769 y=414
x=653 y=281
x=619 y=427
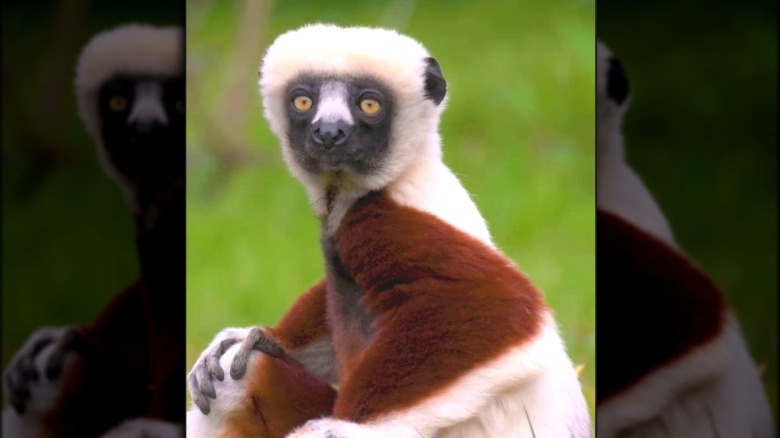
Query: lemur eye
x=180 y=106
x=302 y=103
x=117 y=103
x=370 y=106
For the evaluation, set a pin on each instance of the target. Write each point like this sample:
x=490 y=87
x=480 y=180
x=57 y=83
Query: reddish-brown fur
x=654 y=305
x=281 y=396
x=305 y=322
x=114 y=366
x=443 y=303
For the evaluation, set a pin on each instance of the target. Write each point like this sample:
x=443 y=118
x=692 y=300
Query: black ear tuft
x=617 y=82
x=435 y=85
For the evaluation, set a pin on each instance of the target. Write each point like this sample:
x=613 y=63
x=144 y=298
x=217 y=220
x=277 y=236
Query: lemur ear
x=617 y=82
x=435 y=84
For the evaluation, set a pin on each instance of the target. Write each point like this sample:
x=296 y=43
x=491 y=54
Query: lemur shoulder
x=671 y=359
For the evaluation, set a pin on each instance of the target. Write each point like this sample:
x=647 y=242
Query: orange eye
x=370 y=106
x=117 y=103
x=302 y=103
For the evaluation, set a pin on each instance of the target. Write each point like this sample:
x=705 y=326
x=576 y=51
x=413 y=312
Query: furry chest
x=349 y=320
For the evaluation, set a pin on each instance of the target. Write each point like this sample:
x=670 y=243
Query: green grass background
x=702 y=133
x=518 y=131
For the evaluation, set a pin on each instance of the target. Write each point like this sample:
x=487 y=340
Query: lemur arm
x=302 y=335
x=303 y=332
x=304 y=323
x=455 y=324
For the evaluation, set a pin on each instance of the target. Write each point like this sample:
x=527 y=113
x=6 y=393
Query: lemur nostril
x=331 y=134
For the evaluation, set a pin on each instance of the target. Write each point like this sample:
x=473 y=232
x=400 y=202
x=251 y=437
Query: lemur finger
x=27 y=362
x=197 y=397
x=17 y=403
x=69 y=342
x=204 y=379
x=212 y=359
x=256 y=340
x=18 y=391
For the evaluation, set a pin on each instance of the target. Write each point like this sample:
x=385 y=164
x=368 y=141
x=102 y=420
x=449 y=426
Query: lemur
x=671 y=358
x=118 y=376
x=424 y=325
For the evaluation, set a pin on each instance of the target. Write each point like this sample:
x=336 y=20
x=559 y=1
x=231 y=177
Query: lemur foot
x=333 y=428
x=201 y=378
x=145 y=428
x=32 y=378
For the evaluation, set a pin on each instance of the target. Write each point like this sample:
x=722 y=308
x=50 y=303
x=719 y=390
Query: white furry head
x=397 y=62
x=133 y=49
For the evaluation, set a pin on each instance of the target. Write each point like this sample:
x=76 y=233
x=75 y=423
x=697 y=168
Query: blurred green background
x=702 y=133
x=518 y=130
x=67 y=238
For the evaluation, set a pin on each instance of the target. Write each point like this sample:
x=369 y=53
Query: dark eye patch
x=118 y=86
x=369 y=141
x=308 y=88
x=174 y=92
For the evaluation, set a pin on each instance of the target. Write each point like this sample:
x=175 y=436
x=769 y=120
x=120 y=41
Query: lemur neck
x=150 y=200
x=427 y=185
x=620 y=190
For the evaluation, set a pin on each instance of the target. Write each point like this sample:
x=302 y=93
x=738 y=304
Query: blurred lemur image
x=427 y=328
x=120 y=375
x=671 y=358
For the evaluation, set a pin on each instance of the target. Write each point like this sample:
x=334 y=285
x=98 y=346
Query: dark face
x=142 y=120
x=339 y=124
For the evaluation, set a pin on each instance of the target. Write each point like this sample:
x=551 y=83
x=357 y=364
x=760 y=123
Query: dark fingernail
x=203 y=405
x=18 y=405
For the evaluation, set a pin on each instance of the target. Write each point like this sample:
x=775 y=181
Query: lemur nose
x=330 y=134
x=146 y=127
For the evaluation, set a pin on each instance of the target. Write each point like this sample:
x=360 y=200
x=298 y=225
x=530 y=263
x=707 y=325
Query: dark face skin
x=148 y=149
x=333 y=146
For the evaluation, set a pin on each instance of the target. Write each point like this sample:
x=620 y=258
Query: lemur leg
x=34 y=379
x=145 y=428
x=265 y=381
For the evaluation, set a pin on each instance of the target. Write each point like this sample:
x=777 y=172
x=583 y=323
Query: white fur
x=333 y=105
x=489 y=401
x=396 y=60
x=44 y=393
x=145 y=428
x=718 y=377
x=317 y=358
x=716 y=382
x=128 y=49
x=230 y=393
x=147 y=105
x=430 y=186
x=618 y=188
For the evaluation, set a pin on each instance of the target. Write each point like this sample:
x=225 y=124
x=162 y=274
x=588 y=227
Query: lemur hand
x=207 y=368
x=33 y=376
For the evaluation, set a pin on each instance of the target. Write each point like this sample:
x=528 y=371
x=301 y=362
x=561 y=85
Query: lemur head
x=612 y=100
x=353 y=107
x=130 y=91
